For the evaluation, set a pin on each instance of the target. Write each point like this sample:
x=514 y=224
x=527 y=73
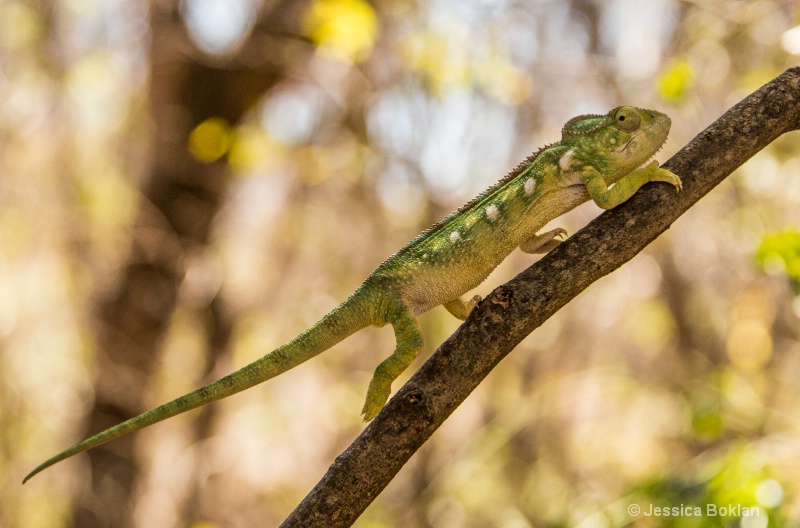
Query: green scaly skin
x=599 y=157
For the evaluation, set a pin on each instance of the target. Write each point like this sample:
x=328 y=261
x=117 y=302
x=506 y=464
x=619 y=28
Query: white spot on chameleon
x=455 y=236
x=492 y=213
x=530 y=186
x=566 y=159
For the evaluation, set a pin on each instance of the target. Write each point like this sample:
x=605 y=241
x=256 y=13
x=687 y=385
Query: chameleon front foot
x=663 y=175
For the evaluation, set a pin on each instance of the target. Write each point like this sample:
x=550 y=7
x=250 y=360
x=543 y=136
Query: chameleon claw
x=472 y=303
x=676 y=181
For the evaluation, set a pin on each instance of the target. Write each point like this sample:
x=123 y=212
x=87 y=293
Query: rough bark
x=515 y=309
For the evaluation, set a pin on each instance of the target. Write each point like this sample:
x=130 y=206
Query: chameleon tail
x=352 y=315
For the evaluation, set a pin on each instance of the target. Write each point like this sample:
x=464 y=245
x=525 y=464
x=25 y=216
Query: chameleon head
x=621 y=140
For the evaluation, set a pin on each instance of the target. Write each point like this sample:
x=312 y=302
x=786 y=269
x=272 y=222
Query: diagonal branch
x=515 y=309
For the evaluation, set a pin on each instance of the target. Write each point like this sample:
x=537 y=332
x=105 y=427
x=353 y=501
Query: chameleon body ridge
x=599 y=158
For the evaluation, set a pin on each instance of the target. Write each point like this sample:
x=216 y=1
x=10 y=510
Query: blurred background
x=186 y=185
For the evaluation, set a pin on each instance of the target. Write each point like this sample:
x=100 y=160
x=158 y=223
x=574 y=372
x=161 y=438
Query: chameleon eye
x=627 y=118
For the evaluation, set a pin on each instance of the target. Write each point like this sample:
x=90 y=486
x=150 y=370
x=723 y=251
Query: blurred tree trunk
x=179 y=201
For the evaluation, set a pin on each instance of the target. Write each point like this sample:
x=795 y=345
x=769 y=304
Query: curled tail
x=352 y=315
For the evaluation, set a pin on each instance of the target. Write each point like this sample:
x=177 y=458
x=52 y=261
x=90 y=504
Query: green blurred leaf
x=780 y=253
x=708 y=425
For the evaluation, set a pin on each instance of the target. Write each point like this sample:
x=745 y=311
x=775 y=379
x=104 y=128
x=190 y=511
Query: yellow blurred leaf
x=210 y=140
x=505 y=82
x=344 y=29
x=253 y=149
x=675 y=80
x=440 y=58
x=447 y=60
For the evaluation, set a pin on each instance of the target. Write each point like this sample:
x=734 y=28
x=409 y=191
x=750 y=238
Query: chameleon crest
x=599 y=157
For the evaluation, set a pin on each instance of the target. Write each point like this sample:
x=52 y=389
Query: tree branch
x=515 y=309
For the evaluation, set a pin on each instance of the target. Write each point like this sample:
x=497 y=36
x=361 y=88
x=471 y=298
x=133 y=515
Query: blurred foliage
x=449 y=61
x=344 y=29
x=210 y=140
x=676 y=80
x=671 y=384
x=781 y=251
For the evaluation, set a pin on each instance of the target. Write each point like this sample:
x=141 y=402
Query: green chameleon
x=598 y=157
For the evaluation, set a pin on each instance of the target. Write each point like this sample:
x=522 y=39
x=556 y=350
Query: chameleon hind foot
x=460 y=308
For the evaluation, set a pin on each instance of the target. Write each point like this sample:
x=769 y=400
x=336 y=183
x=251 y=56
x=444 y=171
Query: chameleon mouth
x=630 y=140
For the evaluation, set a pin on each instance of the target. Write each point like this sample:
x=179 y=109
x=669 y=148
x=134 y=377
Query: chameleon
x=599 y=157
